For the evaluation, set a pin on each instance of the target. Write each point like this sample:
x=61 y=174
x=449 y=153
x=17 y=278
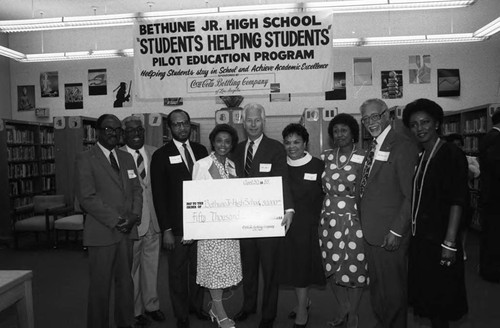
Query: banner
x=226 y=55
x=233 y=208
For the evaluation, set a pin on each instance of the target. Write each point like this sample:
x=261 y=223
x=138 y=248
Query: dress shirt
x=256 y=144
x=144 y=156
x=180 y=148
x=107 y=152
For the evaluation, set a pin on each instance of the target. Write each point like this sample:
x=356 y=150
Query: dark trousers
x=185 y=294
x=263 y=251
x=388 y=272
x=108 y=264
x=489 y=255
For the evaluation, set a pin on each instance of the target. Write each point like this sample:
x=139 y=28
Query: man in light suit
x=171 y=165
x=109 y=191
x=385 y=210
x=146 y=251
x=267 y=159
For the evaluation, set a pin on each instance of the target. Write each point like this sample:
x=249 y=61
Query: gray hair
x=379 y=102
x=131 y=118
x=254 y=106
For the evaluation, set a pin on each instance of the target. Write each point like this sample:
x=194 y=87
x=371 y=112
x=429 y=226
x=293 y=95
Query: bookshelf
x=72 y=135
x=27 y=158
x=472 y=123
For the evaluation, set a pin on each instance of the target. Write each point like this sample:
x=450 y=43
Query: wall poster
x=420 y=69
x=98 y=82
x=73 y=96
x=448 y=82
x=49 y=84
x=25 y=97
x=392 y=84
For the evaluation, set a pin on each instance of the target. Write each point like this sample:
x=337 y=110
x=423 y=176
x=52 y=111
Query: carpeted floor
x=61 y=280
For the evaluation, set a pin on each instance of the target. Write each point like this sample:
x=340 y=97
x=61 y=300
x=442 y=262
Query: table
x=15 y=288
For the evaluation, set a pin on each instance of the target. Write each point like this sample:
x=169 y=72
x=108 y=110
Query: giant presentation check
x=233 y=208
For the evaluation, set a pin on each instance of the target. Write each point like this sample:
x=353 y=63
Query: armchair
x=44 y=208
x=72 y=222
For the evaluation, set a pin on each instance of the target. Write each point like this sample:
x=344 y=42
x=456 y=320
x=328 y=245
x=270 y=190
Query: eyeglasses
x=138 y=130
x=373 y=117
x=178 y=125
x=110 y=131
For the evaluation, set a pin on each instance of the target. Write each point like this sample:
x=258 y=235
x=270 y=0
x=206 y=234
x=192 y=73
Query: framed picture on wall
x=362 y=71
x=73 y=96
x=420 y=69
x=122 y=95
x=49 y=84
x=448 y=82
x=98 y=82
x=25 y=97
x=392 y=84
x=339 y=87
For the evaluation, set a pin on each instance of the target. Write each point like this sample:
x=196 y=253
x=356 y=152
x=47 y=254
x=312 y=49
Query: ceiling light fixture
x=30 y=25
x=406 y=40
x=76 y=55
x=7 y=52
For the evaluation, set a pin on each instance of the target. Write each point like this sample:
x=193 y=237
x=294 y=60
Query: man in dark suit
x=260 y=156
x=146 y=251
x=489 y=159
x=171 y=165
x=384 y=189
x=109 y=191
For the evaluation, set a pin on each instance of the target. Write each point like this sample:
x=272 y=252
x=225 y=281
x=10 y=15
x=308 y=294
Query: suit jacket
x=489 y=160
x=386 y=201
x=148 y=210
x=270 y=152
x=168 y=173
x=105 y=196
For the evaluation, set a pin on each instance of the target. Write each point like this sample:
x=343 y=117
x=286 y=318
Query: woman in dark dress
x=300 y=255
x=436 y=266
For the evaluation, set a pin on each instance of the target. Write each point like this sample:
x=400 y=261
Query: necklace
x=418 y=187
x=348 y=158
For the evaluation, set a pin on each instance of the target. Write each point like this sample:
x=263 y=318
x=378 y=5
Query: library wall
x=5 y=95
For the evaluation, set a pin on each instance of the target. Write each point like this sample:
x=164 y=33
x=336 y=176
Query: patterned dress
x=340 y=235
x=219 y=260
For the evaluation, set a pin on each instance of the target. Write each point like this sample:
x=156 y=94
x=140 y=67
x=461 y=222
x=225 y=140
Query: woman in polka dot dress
x=341 y=238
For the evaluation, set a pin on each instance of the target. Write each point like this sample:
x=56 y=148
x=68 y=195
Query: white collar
x=299 y=162
x=381 y=137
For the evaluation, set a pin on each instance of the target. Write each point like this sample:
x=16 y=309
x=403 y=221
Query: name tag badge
x=357 y=158
x=175 y=159
x=310 y=176
x=131 y=174
x=382 y=156
x=265 y=167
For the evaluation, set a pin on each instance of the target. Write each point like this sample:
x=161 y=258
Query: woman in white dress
x=219 y=261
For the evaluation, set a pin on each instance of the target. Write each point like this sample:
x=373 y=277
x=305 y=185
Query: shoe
x=296 y=325
x=183 y=323
x=266 y=323
x=242 y=315
x=222 y=323
x=156 y=315
x=338 y=322
x=141 y=321
x=293 y=314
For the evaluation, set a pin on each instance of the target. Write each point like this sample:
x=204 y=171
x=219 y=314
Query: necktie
x=140 y=165
x=114 y=163
x=367 y=167
x=187 y=155
x=248 y=162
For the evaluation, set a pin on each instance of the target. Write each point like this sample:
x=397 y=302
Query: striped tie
x=248 y=162
x=367 y=167
x=140 y=165
x=114 y=163
x=189 y=159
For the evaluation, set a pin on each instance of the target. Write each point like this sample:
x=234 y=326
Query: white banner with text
x=233 y=55
x=233 y=208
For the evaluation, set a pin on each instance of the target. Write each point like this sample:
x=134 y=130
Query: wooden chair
x=73 y=222
x=44 y=208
